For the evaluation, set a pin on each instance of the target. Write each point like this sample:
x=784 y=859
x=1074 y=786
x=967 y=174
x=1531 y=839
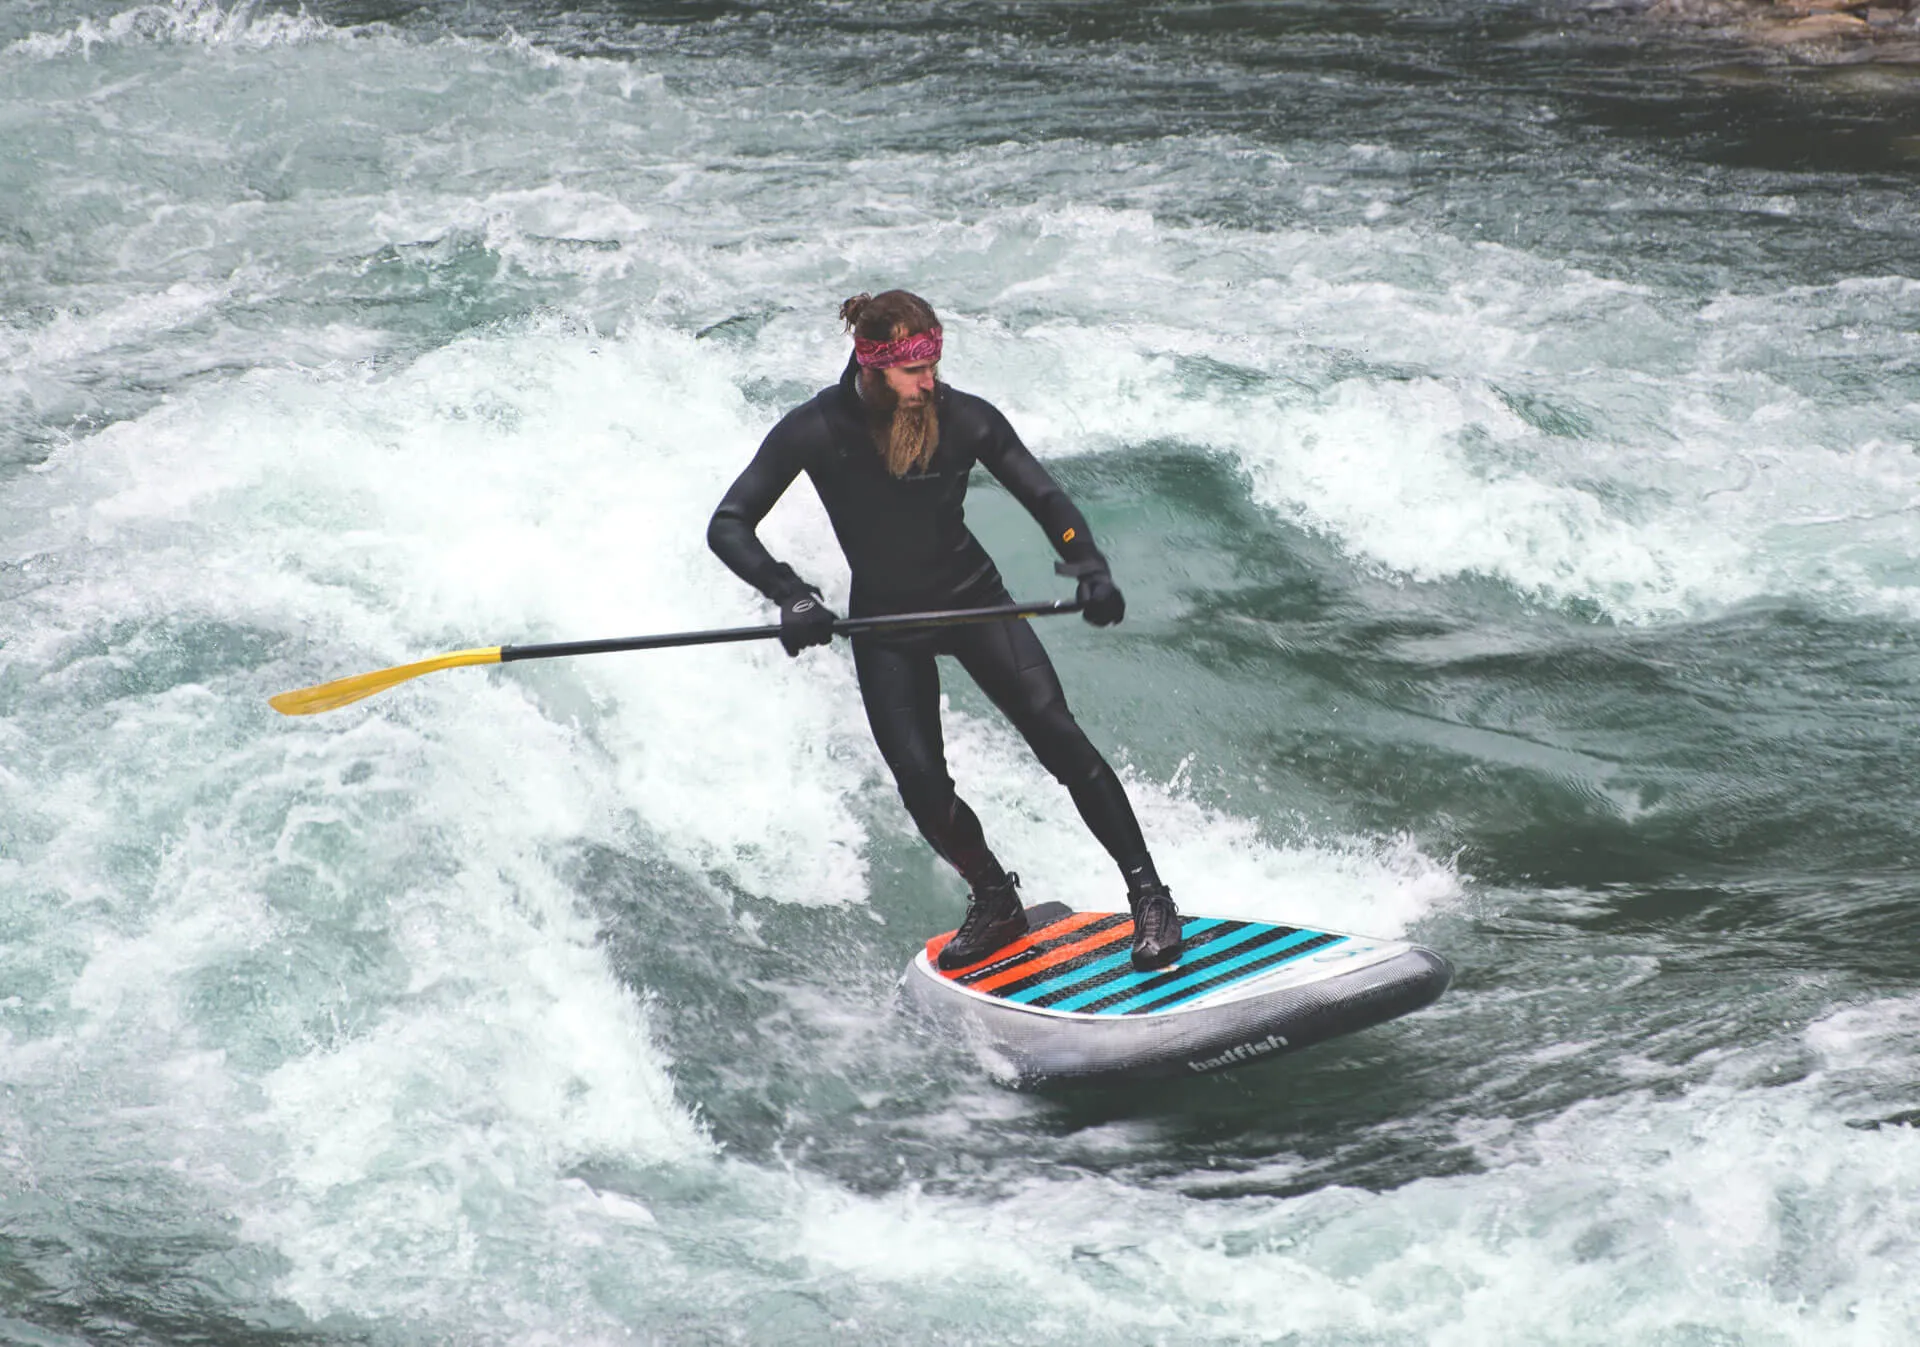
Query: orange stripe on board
x=1029 y=967
x=1025 y=942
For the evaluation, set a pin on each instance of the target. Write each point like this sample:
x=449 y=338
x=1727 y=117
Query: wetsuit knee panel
x=1061 y=745
x=928 y=796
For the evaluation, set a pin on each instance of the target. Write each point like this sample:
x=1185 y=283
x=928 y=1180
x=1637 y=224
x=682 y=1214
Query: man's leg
x=1008 y=662
x=1011 y=666
x=900 y=687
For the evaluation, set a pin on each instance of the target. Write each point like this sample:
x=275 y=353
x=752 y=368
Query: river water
x=1502 y=419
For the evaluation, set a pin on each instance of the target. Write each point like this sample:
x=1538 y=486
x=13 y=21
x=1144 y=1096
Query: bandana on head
x=919 y=348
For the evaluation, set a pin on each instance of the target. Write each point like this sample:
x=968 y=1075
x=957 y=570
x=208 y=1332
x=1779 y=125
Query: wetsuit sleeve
x=731 y=534
x=1014 y=467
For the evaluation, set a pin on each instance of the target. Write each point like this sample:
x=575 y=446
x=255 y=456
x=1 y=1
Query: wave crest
x=201 y=23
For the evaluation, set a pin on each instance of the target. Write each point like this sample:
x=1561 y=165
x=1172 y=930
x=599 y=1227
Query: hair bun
x=850 y=311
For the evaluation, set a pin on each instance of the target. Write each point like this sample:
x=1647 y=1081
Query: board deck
x=1080 y=963
x=1064 y=1000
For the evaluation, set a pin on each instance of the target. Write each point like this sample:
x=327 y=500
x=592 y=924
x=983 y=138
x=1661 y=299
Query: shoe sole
x=1147 y=965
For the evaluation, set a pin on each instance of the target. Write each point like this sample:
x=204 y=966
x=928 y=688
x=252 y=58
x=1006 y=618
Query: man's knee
x=928 y=796
x=1062 y=746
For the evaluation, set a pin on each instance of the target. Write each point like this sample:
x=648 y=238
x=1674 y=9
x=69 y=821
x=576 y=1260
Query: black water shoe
x=994 y=918
x=1156 y=928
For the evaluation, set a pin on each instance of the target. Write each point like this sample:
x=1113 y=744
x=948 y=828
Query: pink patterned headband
x=919 y=348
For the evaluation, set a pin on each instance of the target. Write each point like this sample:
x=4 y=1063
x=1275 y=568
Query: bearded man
x=890 y=449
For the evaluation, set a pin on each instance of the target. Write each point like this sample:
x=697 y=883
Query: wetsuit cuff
x=784 y=583
x=1083 y=567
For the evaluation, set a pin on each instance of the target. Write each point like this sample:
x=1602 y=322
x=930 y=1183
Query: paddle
x=344 y=691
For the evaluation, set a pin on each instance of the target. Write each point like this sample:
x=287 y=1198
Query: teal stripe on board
x=1240 y=968
x=1193 y=963
x=1114 y=986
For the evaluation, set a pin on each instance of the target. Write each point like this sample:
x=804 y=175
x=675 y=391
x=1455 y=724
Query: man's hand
x=1100 y=600
x=805 y=620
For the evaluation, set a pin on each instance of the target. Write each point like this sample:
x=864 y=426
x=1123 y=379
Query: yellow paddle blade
x=341 y=691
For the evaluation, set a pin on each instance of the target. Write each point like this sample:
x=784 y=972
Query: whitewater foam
x=190 y=22
x=1440 y=409
x=1748 y=1214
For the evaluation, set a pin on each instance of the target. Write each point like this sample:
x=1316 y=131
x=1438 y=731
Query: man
x=889 y=449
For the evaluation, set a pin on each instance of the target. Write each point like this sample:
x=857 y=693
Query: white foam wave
x=1465 y=429
x=70 y=337
x=204 y=23
x=1440 y=409
x=1731 y=1214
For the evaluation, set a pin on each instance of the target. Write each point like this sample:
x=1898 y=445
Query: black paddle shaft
x=849 y=626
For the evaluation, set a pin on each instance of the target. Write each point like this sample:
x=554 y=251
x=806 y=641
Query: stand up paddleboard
x=1064 y=1000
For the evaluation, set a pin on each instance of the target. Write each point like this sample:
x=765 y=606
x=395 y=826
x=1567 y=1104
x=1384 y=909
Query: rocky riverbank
x=1825 y=31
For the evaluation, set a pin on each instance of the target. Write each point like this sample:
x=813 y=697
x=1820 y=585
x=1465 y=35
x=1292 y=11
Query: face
x=911 y=385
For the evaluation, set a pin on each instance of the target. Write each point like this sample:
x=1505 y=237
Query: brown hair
x=888 y=316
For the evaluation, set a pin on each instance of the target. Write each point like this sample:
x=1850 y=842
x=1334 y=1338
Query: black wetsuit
x=909 y=548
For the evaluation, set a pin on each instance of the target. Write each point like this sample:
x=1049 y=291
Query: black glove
x=1101 y=601
x=805 y=620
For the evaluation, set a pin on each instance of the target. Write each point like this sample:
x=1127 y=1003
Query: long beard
x=905 y=436
x=912 y=436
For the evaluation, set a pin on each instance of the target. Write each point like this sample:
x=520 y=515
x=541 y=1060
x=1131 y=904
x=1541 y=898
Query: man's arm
x=1020 y=473
x=1014 y=467
x=731 y=531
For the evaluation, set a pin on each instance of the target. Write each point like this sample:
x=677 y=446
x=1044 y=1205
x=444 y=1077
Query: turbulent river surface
x=1502 y=419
